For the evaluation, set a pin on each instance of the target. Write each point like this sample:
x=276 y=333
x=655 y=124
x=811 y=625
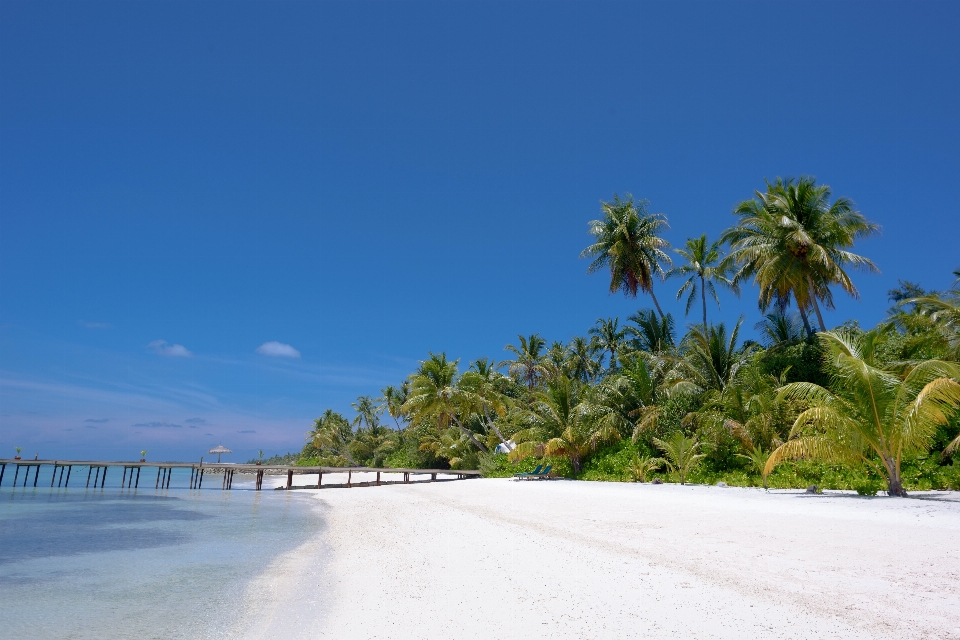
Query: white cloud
x=277 y=350
x=96 y=325
x=171 y=350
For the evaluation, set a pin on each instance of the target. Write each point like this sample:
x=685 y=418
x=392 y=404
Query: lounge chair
x=524 y=474
x=538 y=474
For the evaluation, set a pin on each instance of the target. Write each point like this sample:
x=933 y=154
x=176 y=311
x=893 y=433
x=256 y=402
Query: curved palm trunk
x=703 y=299
x=816 y=305
x=493 y=426
x=470 y=435
x=655 y=303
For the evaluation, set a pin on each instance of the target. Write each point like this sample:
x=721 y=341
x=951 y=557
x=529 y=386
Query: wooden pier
x=130 y=478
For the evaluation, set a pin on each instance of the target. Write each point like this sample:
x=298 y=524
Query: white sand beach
x=561 y=559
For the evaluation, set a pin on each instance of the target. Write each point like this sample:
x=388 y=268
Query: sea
x=145 y=563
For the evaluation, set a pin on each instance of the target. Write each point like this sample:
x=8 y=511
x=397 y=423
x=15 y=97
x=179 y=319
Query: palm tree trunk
x=470 y=435
x=493 y=426
x=703 y=299
x=816 y=306
x=655 y=303
x=894 y=481
x=806 y=321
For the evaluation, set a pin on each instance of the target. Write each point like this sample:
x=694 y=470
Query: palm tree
x=530 y=362
x=435 y=397
x=581 y=358
x=392 y=400
x=779 y=329
x=870 y=412
x=367 y=412
x=563 y=415
x=331 y=432
x=792 y=240
x=610 y=337
x=652 y=334
x=481 y=389
x=627 y=243
x=705 y=266
x=682 y=456
x=711 y=359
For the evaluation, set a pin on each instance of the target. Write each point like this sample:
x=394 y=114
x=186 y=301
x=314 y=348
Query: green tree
x=530 y=363
x=650 y=333
x=435 y=398
x=682 y=456
x=610 y=337
x=869 y=413
x=582 y=362
x=791 y=240
x=392 y=400
x=563 y=421
x=704 y=269
x=332 y=434
x=626 y=241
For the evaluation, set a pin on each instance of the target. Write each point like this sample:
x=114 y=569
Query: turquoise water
x=92 y=563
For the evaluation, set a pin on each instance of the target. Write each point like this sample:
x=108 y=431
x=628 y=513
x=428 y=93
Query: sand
x=564 y=559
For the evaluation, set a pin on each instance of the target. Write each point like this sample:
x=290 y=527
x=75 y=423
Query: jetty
x=27 y=473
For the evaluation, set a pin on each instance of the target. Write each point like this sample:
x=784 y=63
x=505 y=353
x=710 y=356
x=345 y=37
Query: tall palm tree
x=792 y=240
x=434 y=396
x=705 y=267
x=481 y=389
x=870 y=415
x=529 y=364
x=778 y=329
x=610 y=337
x=626 y=241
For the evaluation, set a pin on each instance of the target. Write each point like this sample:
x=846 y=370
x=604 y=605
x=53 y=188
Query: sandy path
x=497 y=558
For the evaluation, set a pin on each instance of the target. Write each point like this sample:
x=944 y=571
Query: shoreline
x=592 y=559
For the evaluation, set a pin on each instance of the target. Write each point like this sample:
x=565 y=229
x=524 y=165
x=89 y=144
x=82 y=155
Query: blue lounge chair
x=538 y=474
x=524 y=474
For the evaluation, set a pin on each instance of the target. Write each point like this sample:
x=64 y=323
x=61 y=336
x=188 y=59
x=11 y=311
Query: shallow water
x=92 y=563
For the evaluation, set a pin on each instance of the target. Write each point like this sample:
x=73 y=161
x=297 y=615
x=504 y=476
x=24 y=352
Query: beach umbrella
x=218 y=450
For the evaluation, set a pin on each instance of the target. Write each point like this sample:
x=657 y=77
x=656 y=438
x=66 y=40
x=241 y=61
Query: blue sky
x=182 y=183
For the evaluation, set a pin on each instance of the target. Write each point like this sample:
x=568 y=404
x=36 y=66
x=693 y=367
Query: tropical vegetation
x=638 y=399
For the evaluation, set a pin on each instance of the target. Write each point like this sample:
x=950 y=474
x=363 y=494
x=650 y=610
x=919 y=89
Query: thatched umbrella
x=218 y=450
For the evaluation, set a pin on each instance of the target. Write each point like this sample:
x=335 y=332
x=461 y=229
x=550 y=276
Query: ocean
x=147 y=563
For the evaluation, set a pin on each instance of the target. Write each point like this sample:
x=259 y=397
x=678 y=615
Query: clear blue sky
x=181 y=183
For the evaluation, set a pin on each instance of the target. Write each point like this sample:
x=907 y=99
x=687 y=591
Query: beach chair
x=543 y=474
x=524 y=474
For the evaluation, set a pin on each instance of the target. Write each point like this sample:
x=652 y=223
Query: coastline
x=485 y=558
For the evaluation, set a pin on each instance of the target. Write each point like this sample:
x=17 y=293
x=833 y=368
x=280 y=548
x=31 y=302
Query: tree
x=565 y=417
x=869 y=413
x=705 y=267
x=711 y=359
x=392 y=400
x=530 y=362
x=610 y=337
x=332 y=433
x=652 y=334
x=626 y=241
x=792 y=240
x=434 y=396
x=682 y=456
x=368 y=413
x=581 y=358
x=779 y=329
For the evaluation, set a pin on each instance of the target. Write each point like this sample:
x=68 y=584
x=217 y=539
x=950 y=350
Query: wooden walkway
x=130 y=479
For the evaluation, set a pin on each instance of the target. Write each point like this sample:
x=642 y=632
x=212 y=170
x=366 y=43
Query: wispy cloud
x=163 y=348
x=196 y=421
x=95 y=325
x=277 y=350
x=97 y=420
x=247 y=431
x=158 y=425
